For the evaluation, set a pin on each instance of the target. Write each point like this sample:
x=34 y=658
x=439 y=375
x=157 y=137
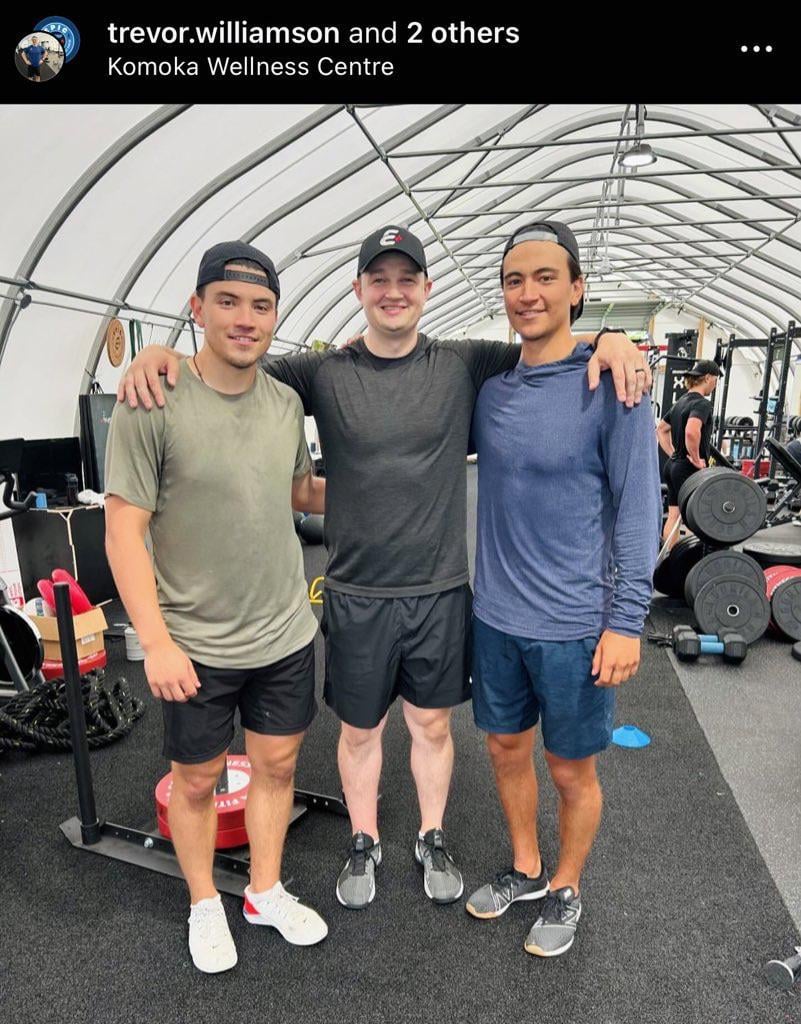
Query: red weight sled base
x=119 y=842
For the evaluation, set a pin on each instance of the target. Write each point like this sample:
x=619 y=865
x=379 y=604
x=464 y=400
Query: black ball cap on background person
x=212 y=266
x=547 y=231
x=391 y=239
x=702 y=368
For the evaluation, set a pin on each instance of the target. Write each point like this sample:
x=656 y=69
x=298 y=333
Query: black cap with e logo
x=391 y=239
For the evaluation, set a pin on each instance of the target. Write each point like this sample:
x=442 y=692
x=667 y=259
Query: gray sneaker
x=442 y=880
x=356 y=883
x=495 y=898
x=554 y=930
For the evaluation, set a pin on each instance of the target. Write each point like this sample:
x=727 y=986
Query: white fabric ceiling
x=118 y=203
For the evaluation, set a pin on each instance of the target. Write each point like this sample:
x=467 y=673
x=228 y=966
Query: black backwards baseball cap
x=702 y=368
x=212 y=266
x=547 y=231
x=391 y=239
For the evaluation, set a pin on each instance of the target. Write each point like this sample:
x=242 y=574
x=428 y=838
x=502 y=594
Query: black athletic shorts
x=33 y=72
x=379 y=648
x=277 y=700
x=676 y=471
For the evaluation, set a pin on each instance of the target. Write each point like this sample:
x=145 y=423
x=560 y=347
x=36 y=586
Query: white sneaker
x=278 y=908
x=210 y=941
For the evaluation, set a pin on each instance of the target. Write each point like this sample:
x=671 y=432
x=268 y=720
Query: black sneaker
x=495 y=898
x=442 y=880
x=356 y=883
x=554 y=930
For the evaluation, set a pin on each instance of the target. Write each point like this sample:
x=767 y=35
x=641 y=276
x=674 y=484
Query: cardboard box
x=88 y=627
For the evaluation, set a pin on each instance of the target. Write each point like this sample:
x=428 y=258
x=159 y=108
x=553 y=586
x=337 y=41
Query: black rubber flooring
x=680 y=911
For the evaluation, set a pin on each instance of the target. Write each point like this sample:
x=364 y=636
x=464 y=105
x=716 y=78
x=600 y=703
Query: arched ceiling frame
x=709 y=296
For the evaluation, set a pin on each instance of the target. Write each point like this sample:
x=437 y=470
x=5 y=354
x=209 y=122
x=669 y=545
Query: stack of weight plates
x=722 y=507
x=726 y=591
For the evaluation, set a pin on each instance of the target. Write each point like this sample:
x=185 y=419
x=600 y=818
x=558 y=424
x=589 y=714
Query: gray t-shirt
x=394 y=434
x=216 y=471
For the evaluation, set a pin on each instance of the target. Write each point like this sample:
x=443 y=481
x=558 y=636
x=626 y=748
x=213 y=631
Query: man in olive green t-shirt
x=226 y=622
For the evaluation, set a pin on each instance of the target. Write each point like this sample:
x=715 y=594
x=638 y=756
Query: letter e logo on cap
x=390 y=237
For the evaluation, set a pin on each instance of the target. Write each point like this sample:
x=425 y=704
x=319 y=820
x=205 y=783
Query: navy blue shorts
x=518 y=682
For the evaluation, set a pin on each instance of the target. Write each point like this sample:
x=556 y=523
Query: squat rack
x=777 y=347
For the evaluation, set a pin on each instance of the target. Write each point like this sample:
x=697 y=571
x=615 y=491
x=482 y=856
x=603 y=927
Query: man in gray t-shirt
x=226 y=622
x=393 y=412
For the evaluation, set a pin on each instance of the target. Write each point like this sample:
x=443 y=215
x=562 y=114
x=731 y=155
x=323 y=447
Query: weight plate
x=726 y=508
x=771 y=552
x=690 y=484
x=53 y=669
x=671 y=572
x=226 y=839
x=230 y=806
x=721 y=563
x=784 y=593
x=23 y=638
x=731 y=604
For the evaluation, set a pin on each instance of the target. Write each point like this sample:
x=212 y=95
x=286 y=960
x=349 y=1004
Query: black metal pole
x=781 y=396
x=90 y=826
x=725 y=400
x=764 y=399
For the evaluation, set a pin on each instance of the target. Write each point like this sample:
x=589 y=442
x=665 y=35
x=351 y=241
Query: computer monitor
x=45 y=464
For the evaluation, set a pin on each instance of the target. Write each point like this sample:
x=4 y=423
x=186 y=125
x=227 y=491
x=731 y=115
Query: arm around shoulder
x=141 y=383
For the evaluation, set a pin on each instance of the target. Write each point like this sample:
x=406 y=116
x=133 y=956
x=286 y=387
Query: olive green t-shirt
x=216 y=471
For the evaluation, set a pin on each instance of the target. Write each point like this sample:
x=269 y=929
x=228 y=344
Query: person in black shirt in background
x=684 y=434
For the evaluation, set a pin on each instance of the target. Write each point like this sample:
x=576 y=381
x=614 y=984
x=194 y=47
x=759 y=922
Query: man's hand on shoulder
x=140 y=382
x=629 y=368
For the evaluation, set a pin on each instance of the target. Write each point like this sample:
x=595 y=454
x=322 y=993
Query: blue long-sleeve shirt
x=569 y=505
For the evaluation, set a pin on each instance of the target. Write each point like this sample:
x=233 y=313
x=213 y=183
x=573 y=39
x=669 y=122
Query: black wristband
x=606 y=330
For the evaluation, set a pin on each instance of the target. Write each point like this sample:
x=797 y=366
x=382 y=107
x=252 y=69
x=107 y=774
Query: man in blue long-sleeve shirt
x=568 y=527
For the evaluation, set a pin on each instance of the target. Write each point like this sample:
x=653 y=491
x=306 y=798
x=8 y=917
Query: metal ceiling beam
x=523 y=116
x=655 y=226
x=782 y=135
x=591 y=205
x=594 y=178
x=649 y=137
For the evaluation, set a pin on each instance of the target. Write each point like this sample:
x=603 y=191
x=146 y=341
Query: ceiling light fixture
x=640 y=154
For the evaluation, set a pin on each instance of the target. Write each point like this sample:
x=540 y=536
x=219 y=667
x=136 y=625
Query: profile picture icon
x=39 y=56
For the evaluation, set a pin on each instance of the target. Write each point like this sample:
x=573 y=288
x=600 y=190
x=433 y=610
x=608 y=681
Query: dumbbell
x=688 y=645
x=784 y=973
